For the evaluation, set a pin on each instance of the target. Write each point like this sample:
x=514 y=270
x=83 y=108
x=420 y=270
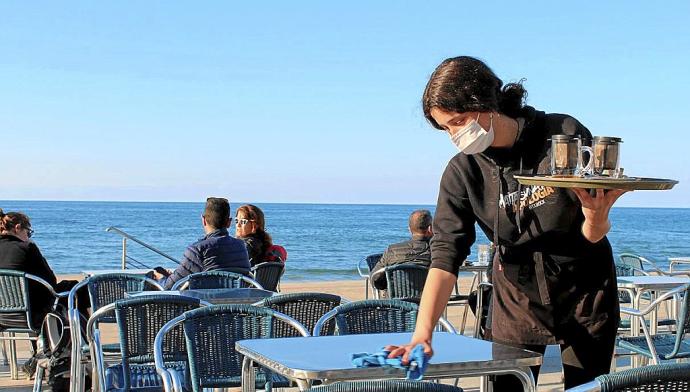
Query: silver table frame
x=654 y=284
x=482 y=280
x=306 y=359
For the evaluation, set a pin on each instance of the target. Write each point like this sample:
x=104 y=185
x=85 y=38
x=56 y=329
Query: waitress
x=553 y=274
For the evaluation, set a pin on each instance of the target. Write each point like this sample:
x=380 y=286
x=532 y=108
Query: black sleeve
x=37 y=265
x=453 y=224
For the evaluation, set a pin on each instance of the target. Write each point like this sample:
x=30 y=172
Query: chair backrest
x=371 y=316
x=105 y=289
x=211 y=334
x=268 y=274
x=306 y=308
x=14 y=298
x=631 y=260
x=372 y=260
x=215 y=280
x=405 y=280
x=665 y=377
x=139 y=320
x=385 y=386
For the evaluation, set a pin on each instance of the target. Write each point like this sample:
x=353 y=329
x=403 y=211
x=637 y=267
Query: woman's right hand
x=423 y=338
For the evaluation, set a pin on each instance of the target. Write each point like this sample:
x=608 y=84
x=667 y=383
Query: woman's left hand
x=596 y=211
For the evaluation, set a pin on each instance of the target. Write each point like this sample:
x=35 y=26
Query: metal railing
x=127 y=258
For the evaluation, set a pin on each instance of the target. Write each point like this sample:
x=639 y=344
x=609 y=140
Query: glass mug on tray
x=603 y=156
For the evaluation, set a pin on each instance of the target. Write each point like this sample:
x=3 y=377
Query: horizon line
x=259 y=202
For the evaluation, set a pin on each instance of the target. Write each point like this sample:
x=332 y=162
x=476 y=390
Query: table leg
x=248 y=376
x=635 y=326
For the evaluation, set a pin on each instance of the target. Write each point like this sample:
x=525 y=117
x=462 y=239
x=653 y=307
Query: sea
x=324 y=241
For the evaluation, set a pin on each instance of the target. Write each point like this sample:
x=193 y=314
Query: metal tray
x=627 y=183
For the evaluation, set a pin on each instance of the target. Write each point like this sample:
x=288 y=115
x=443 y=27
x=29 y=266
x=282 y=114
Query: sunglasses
x=242 y=222
x=29 y=232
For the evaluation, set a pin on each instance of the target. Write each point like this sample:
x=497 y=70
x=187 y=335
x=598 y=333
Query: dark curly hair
x=466 y=84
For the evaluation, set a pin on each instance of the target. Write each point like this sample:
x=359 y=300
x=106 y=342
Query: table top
x=329 y=357
x=116 y=271
x=217 y=296
x=652 y=282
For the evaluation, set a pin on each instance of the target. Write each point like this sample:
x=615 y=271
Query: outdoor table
x=328 y=358
x=216 y=296
x=482 y=270
x=654 y=285
x=88 y=273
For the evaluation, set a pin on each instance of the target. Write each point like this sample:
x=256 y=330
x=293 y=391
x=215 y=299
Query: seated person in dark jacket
x=217 y=250
x=416 y=250
x=18 y=253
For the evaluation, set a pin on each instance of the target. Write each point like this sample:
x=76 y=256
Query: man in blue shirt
x=217 y=250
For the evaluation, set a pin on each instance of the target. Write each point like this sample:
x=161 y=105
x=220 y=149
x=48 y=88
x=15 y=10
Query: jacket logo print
x=530 y=197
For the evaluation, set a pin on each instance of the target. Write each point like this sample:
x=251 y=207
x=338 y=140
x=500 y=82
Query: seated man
x=415 y=251
x=217 y=250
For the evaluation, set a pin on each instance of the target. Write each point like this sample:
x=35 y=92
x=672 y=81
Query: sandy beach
x=549 y=380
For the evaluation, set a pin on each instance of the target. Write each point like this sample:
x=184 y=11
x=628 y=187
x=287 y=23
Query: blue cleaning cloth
x=415 y=370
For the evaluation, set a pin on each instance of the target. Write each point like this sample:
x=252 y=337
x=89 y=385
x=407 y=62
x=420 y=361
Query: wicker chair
x=139 y=320
x=666 y=377
x=639 y=264
x=103 y=290
x=385 y=386
x=211 y=334
x=374 y=316
x=268 y=274
x=215 y=280
x=661 y=346
x=14 y=300
x=370 y=262
x=306 y=308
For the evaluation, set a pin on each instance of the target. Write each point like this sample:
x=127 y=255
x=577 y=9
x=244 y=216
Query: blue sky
x=315 y=101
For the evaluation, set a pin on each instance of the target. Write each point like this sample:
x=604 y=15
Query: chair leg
x=3 y=351
x=38 y=381
x=14 y=370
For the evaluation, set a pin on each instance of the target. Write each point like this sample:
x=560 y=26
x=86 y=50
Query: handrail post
x=124 y=253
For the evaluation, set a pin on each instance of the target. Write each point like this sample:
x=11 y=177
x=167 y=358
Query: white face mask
x=473 y=139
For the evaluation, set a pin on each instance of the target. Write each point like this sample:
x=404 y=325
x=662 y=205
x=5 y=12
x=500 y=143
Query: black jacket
x=548 y=279
x=18 y=255
x=416 y=251
x=215 y=251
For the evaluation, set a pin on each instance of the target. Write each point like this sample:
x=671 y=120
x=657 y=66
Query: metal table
x=329 y=358
x=653 y=284
x=88 y=273
x=482 y=270
x=217 y=296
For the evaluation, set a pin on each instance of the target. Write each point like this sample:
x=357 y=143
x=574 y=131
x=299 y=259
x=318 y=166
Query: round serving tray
x=627 y=183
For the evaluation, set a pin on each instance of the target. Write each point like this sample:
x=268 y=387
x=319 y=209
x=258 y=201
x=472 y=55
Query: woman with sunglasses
x=18 y=253
x=251 y=227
